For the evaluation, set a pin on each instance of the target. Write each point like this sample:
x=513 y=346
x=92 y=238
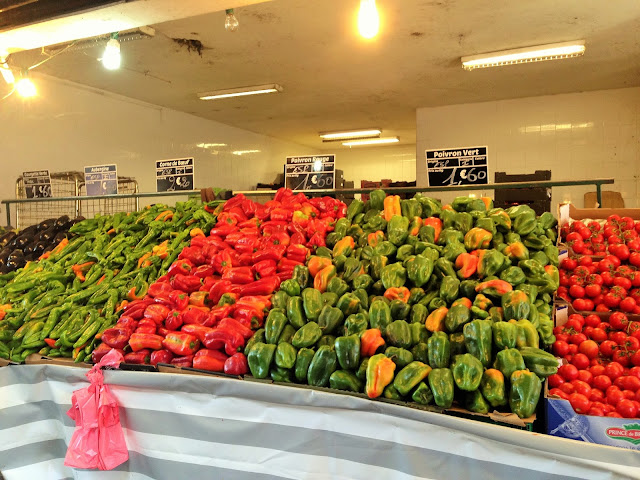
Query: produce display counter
x=187 y=426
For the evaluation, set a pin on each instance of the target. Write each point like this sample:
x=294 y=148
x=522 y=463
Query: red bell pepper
x=249 y=316
x=185 y=361
x=287 y=264
x=281 y=214
x=297 y=253
x=186 y=283
x=233 y=324
x=259 y=302
x=228 y=299
x=156 y=312
x=198 y=331
x=203 y=271
x=274 y=252
x=233 y=238
x=222 y=261
x=208 y=283
x=216 y=314
x=140 y=341
x=179 y=299
x=246 y=243
x=223 y=230
x=248 y=207
x=180 y=343
x=298 y=238
x=316 y=240
x=161 y=356
x=265 y=268
x=211 y=360
x=264 y=286
x=163 y=331
x=156 y=289
x=227 y=218
x=193 y=315
x=234 y=201
x=148 y=322
x=126 y=321
x=194 y=254
x=231 y=339
x=199 y=299
x=182 y=267
x=273 y=227
x=236 y=364
x=174 y=321
x=219 y=288
x=116 y=337
x=199 y=241
x=138 y=358
x=239 y=275
x=284 y=276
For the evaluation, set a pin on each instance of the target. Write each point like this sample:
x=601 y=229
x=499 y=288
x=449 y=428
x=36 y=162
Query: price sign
x=457 y=166
x=37 y=184
x=174 y=175
x=101 y=179
x=314 y=172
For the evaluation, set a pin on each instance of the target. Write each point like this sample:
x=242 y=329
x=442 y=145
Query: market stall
x=177 y=424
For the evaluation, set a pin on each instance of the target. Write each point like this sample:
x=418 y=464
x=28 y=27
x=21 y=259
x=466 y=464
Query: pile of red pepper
x=201 y=313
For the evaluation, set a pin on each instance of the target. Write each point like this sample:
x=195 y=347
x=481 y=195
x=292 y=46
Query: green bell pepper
x=398 y=334
x=329 y=298
x=492 y=387
x=491 y=262
x=410 y=376
x=330 y=319
x=295 y=312
x=379 y=315
x=279 y=300
x=527 y=334
x=456 y=340
x=307 y=336
x=449 y=289
x=399 y=356
x=287 y=334
x=442 y=386
x=291 y=287
x=338 y=286
x=285 y=356
x=508 y=361
x=468 y=289
x=329 y=340
x=355 y=208
x=363 y=281
x=467 y=372
x=418 y=314
x=420 y=352
x=545 y=329
x=505 y=335
x=525 y=393
x=303 y=360
x=422 y=394
x=394 y=275
x=478 y=340
x=444 y=268
x=348 y=351
x=430 y=206
x=378 y=263
x=399 y=309
x=312 y=303
x=344 y=380
x=419 y=270
x=351 y=269
x=411 y=208
x=514 y=275
x=324 y=363
x=376 y=200
x=515 y=305
x=274 y=325
x=259 y=359
x=439 y=350
x=348 y=303
x=475 y=402
x=456 y=318
x=543 y=364
x=418 y=333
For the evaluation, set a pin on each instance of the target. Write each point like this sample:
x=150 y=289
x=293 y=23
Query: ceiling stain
x=417 y=34
x=265 y=17
x=190 y=44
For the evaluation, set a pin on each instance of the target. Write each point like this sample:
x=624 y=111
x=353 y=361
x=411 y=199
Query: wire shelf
x=113 y=204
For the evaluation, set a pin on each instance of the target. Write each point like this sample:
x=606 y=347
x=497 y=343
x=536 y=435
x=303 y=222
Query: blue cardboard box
x=563 y=422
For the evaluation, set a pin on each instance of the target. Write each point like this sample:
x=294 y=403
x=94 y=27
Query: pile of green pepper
x=59 y=305
x=415 y=301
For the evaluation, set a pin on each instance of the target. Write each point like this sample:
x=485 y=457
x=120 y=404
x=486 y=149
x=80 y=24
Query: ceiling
x=335 y=80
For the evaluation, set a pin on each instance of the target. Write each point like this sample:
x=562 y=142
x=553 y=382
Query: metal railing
x=598 y=182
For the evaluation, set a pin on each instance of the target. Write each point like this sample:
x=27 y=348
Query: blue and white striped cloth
x=192 y=427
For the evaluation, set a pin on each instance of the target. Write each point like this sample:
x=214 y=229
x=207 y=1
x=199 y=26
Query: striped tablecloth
x=183 y=427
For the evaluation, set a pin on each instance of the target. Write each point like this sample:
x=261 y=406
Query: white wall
x=69 y=126
x=397 y=163
x=577 y=136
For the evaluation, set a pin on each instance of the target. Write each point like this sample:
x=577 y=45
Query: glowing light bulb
x=25 y=87
x=231 y=23
x=368 y=19
x=111 y=57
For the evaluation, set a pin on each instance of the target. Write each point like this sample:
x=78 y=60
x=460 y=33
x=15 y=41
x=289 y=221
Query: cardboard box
x=563 y=422
x=567 y=212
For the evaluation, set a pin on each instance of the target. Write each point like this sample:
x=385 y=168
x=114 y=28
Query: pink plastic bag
x=98 y=440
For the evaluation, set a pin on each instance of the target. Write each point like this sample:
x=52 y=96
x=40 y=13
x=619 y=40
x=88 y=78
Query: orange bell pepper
x=373 y=239
x=370 y=341
x=467 y=264
x=435 y=320
x=318 y=263
x=436 y=223
x=399 y=293
x=391 y=206
x=321 y=280
x=379 y=374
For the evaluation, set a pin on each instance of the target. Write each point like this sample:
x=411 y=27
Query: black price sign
x=457 y=166
x=101 y=179
x=314 y=172
x=37 y=184
x=174 y=175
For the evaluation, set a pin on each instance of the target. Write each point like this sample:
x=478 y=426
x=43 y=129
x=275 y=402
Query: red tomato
x=611 y=300
x=623 y=357
x=597 y=370
x=568 y=264
x=618 y=321
x=579 y=402
x=628 y=394
x=635 y=371
x=573 y=349
x=628 y=304
x=556 y=380
x=568 y=372
x=575 y=322
x=596 y=412
x=576 y=291
x=607 y=347
x=585 y=376
x=579 y=304
x=596 y=395
x=619 y=337
x=620 y=250
x=598 y=335
x=602 y=382
x=589 y=348
x=602 y=307
x=577 y=338
x=614 y=395
x=634 y=259
x=581 y=361
x=630 y=382
x=613 y=370
x=560 y=348
x=588 y=331
x=638 y=396
x=567 y=388
x=614 y=415
x=615 y=261
x=559 y=393
x=581 y=387
x=592 y=290
x=626 y=408
x=635 y=361
x=632 y=343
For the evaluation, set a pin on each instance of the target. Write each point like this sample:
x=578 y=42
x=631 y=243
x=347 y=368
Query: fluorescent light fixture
x=244 y=152
x=371 y=141
x=364 y=133
x=241 y=92
x=210 y=145
x=540 y=53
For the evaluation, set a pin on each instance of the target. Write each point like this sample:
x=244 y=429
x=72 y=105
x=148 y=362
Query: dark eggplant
x=14 y=264
x=28 y=249
x=23 y=240
x=4 y=269
x=47 y=235
x=17 y=253
x=40 y=247
x=59 y=237
x=4 y=254
x=29 y=231
x=76 y=220
x=46 y=224
x=62 y=223
x=7 y=237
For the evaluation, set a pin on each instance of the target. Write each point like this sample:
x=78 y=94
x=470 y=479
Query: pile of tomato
x=594 y=238
x=600 y=374
x=612 y=283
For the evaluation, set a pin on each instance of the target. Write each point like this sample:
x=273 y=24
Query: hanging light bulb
x=25 y=87
x=111 y=57
x=368 y=19
x=230 y=22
